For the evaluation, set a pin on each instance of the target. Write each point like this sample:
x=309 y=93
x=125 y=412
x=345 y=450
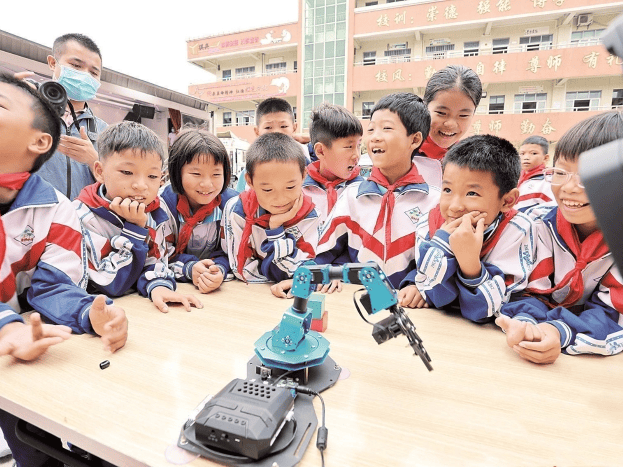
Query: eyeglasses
x=557 y=176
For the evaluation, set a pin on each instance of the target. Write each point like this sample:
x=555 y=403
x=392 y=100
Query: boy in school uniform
x=40 y=247
x=273 y=115
x=375 y=219
x=533 y=188
x=574 y=300
x=474 y=249
x=336 y=136
x=125 y=227
x=271 y=228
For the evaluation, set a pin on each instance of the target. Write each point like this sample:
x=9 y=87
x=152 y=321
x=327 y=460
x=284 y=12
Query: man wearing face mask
x=76 y=63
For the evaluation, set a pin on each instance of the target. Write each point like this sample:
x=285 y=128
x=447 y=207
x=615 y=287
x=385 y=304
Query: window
x=276 y=68
x=586 y=37
x=530 y=103
x=496 y=105
x=246 y=117
x=245 y=71
x=542 y=42
x=366 y=109
x=470 y=49
x=369 y=58
x=226 y=75
x=582 y=101
x=296 y=66
x=398 y=55
x=617 y=98
x=226 y=118
x=500 y=46
x=371 y=3
x=437 y=52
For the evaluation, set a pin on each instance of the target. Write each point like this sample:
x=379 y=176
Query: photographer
x=76 y=63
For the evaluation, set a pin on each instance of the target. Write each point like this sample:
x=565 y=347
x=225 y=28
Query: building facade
x=541 y=62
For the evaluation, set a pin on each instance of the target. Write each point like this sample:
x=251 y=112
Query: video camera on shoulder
x=52 y=92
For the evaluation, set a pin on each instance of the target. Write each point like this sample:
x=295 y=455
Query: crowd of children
x=458 y=223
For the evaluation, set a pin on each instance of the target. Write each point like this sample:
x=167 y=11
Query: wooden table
x=481 y=406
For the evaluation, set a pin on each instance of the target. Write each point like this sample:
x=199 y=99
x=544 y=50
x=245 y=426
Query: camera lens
x=55 y=94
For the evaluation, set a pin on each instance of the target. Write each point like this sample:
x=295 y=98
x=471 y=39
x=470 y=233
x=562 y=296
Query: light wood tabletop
x=481 y=406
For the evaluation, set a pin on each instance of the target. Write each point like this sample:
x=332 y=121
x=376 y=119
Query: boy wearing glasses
x=575 y=301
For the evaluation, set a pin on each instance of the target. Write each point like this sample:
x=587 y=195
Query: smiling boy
x=474 y=249
x=533 y=188
x=273 y=227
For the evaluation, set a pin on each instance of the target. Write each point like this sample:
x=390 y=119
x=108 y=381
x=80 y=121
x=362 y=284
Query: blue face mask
x=80 y=85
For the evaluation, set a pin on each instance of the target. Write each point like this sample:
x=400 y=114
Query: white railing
x=460 y=53
x=257 y=75
x=484 y=111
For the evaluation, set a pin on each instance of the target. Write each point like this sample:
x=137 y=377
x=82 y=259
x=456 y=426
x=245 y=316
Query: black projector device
x=244 y=418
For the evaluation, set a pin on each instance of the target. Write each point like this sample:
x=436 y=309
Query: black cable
x=323 y=432
x=357 y=306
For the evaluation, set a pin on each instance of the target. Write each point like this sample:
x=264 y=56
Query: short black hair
x=58 y=48
x=411 y=109
x=274 y=147
x=539 y=140
x=273 y=105
x=588 y=134
x=487 y=153
x=196 y=144
x=129 y=135
x=330 y=122
x=454 y=77
x=45 y=117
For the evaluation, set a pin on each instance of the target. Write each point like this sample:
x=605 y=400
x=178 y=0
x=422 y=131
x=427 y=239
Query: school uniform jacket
x=205 y=242
x=43 y=266
x=507 y=258
x=318 y=193
x=121 y=255
x=594 y=323
x=534 y=191
x=348 y=233
x=276 y=253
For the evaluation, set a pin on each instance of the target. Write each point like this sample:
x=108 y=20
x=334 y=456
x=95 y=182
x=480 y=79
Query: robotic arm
x=379 y=295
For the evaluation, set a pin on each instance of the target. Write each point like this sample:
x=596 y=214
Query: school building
x=541 y=62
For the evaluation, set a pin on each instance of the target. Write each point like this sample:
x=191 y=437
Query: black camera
x=54 y=93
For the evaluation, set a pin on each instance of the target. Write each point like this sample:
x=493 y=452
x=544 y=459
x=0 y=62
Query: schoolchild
x=375 y=219
x=273 y=115
x=452 y=95
x=574 y=300
x=41 y=248
x=336 y=137
x=199 y=169
x=533 y=188
x=272 y=227
x=474 y=249
x=125 y=228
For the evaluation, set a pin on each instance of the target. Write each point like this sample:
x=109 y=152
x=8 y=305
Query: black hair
x=45 y=117
x=196 y=144
x=330 y=122
x=487 y=153
x=539 y=140
x=274 y=147
x=273 y=105
x=588 y=134
x=129 y=135
x=410 y=108
x=454 y=77
x=58 y=48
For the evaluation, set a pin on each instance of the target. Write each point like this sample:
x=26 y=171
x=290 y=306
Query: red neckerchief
x=592 y=248
x=430 y=149
x=90 y=196
x=14 y=181
x=191 y=220
x=435 y=221
x=313 y=170
x=250 y=206
x=529 y=174
x=388 y=200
